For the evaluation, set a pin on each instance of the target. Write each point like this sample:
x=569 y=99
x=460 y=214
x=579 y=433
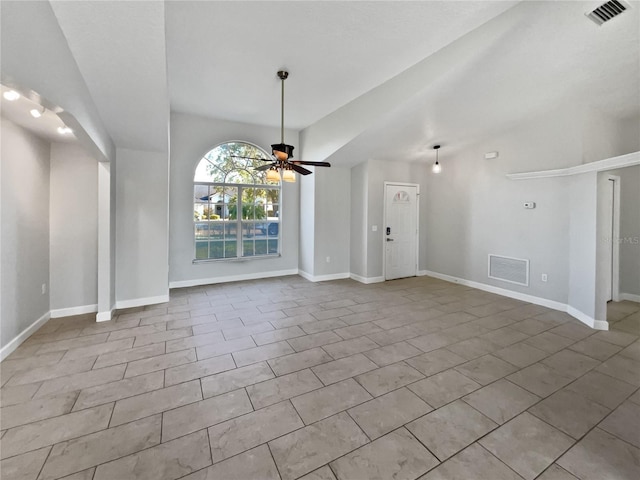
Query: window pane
x=216 y=230
x=216 y=249
x=202 y=250
x=273 y=229
x=261 y=246
x=273 y=211
x=230 y=249
x=249 y=230
x=230 y=231
x=202 y=231
x=273 y=246
x=247 y=248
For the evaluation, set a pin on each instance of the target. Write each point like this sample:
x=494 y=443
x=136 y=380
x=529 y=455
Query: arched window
x=236 y=213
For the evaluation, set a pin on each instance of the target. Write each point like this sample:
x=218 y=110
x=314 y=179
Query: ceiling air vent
x=607 y=11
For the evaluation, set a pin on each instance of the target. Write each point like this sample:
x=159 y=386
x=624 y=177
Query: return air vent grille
x=607 y=11
x=507 y=269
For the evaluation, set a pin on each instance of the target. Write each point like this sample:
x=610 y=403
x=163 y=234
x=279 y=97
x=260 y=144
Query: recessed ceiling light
x=64 y=130
x=35 y=113
x=11 y=95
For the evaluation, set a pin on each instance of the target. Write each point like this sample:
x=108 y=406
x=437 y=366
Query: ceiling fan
x=282 y=153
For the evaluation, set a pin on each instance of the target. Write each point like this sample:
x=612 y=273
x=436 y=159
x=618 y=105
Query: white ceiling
x=120 y=51
x=219 y=59
x=223 y=56
x=552 y=59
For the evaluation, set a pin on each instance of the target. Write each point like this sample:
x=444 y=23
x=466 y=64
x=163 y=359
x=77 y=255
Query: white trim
x=322 y=278
x=587 y=320
x=366 y=280
x=231 y=278
x=627 y=160
x=499 y=291
x=22 y=336
x=615 y=253
x=139 y=302
x=67 y=312
x=384 y=226
x=631 y=297
x=563 y=307
x=105 y=316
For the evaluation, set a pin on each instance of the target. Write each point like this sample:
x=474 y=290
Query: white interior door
x=401 y=231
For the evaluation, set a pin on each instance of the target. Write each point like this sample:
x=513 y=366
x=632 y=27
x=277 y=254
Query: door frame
x=615 y=239
x=384 y=223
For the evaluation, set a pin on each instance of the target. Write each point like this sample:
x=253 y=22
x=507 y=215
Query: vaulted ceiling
x=444 y=71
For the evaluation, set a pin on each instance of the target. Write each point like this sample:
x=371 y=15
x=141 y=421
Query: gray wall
x=191 y=137
x=25 y=229
x=474 y=210
x=332 y=220
x=141 y=226
x=74 y=227
x=583 y=244
x=307 y=231
x=359 y=224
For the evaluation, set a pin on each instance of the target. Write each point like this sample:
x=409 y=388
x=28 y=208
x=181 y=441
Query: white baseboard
x=587 y=320
x=22 y=336
x=322 y=278
x=231 y=278
x=139 y=302
x=498 y=291
x=563 y=307
x=67 y=312
x=105 y=316
x=366 y=280
x=630 y=297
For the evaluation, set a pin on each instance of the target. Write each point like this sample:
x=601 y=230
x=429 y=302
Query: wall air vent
x=607 y=11
x=507 y=269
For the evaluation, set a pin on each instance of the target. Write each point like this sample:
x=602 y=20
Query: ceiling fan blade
x=264 y=167
x=252 y=158
x=300 y=170
x=315 y=164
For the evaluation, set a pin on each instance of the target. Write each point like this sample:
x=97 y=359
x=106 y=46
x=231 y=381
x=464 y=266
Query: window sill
x=235 y=259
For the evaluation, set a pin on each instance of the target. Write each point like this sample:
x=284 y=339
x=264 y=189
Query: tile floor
x=286 y=379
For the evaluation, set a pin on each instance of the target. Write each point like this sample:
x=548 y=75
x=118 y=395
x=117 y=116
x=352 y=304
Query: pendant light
x=436 y=166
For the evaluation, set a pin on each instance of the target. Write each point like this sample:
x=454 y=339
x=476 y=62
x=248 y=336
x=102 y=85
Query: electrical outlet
x=328 y=259
x=544 y=277
x=44 y=288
